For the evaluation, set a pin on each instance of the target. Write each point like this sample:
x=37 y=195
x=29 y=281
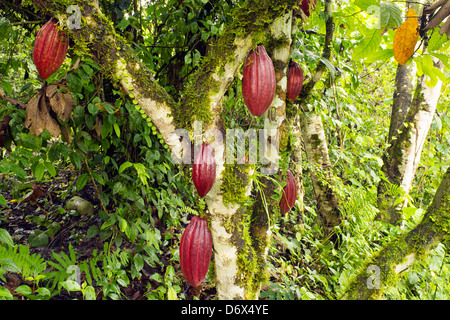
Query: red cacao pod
x=50 y=49
x=289 y=193
x=195 y=250
x=204 y=169
x=308 y=6
x=258 y=81
x=295 y=80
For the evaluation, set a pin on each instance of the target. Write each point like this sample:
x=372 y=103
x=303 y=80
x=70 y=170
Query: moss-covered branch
x=204 y=94
x=403 y=251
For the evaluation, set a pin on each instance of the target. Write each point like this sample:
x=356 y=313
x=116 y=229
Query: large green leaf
x=365 y=4
x=5 y=237
x=390 y=15
x=369 y=44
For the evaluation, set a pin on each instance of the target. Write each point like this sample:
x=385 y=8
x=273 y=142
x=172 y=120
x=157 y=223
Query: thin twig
x=16 y=103
x=21 y=23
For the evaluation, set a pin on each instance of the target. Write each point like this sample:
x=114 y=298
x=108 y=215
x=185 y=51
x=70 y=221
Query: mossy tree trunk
x=267 y=201
x=382 y=269
x=238 y=250
x=401 y=159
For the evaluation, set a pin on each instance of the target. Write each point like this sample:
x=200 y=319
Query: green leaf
x=117 y=187
x=123 y=224
x=89 y=71
x=89 y=293
x=364 y=4
x=14 y=168
x=157 y=277
x=390 y=15
x=5 y=293
x=24 y=290
x=116 y=129
x=75 y=159
x=3 y=201
x=6 y=238
x=370 y=43
x=138 y=262
x=50 y=168
x=171 y=294
x=379 y=55
x=38 y=239
x=7 y=87
x=98 y=178
x=4 y=28
x=329 y=65
x=124 y=166
x=74 y=82
x=92 y=108
x=91 y=232
x=71 y=285
x=39 y=171
x=81 y=181
x=106 y=129
x=44 y=293
x=9 y=265
x=425 y=66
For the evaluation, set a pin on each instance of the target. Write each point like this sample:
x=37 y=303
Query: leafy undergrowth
x=56 y=253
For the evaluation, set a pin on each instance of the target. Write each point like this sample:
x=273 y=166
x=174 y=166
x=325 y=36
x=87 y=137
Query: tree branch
x=400 y=253
x=16 y=103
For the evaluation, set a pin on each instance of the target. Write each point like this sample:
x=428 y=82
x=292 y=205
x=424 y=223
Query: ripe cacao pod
x=195 y=250
x=295 y=80
x=308 y=6
x=289 y=193
x=258 y=81
x=204 y=169
x=50 y=49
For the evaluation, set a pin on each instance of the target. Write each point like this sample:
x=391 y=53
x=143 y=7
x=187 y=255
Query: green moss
x=234 y=183
x=196 y=104
x=251 y=272
x=441 y=217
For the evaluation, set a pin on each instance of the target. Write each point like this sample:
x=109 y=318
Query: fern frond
x=189 y=210
x=29 y=265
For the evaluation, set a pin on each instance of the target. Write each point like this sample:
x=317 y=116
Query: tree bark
x=381 y=270
x=402 y=157
x=402 y=97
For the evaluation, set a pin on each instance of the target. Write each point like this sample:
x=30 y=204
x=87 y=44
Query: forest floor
x=41 y=207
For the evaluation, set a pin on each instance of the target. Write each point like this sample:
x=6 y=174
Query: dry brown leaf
x=60 y=107
x=67 y=136
x=32 y=120
x=50 y=90
x=38 y=117
x=98 y=128
x=61 y=103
